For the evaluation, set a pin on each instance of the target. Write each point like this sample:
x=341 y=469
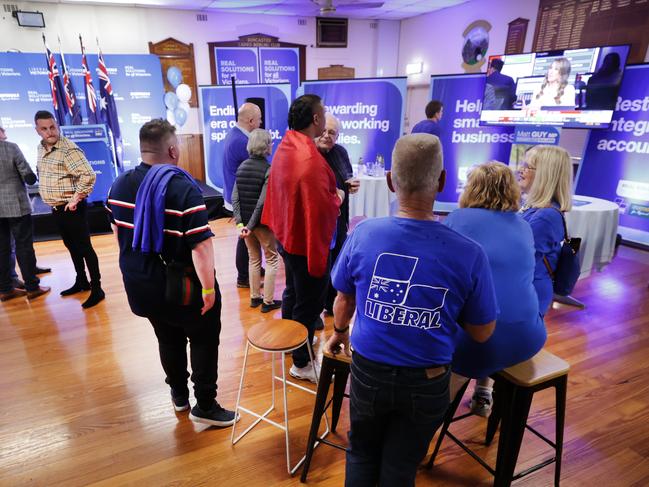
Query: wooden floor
x=83 y=401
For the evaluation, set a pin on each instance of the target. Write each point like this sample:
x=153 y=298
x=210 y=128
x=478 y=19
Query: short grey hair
x=417 y=163
x=258 y=143
x=332 y=117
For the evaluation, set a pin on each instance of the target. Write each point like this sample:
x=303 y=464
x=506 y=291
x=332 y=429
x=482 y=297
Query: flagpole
x=61 y=53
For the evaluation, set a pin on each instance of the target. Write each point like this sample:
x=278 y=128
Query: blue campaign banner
x=93 y=141
x=240 y=62
x=25 y=89
x=615 y=165
x=218 y=117
x=280 y=65
x=138 y=91
x=464 y=142
x=370 y=111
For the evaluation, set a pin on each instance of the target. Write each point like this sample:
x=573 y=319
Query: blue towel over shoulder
x=149 y=216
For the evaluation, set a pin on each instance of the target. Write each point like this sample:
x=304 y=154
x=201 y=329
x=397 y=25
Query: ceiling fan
x=328 y=7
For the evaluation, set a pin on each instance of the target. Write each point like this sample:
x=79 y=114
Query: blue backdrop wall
x=25 y=89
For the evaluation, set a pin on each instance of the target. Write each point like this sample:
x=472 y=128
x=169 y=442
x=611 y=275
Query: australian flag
x=91 y=94
x=56 y=87
x=108 y=109
x=73 y=108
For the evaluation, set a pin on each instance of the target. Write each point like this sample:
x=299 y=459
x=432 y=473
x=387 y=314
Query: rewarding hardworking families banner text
x=370 y=112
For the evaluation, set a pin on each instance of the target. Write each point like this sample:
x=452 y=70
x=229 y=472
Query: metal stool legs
x=263 y=417
x=448 y=419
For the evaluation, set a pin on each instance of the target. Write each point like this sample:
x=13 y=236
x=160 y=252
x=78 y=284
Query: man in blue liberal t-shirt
x=234 y=153
x=412 y=282
x=186 y=238
x=434 y=111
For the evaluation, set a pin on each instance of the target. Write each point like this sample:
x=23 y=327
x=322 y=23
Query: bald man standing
x=234 y=153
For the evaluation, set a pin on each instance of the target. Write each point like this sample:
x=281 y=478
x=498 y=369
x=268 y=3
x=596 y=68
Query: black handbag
x=182 y=288
x=565 y=276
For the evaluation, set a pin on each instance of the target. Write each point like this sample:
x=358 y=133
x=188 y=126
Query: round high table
x=594 y=220
x=373 y=199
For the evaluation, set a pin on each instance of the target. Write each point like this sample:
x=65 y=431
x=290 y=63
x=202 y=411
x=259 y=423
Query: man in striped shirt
x=187 y=239
x=65 y=181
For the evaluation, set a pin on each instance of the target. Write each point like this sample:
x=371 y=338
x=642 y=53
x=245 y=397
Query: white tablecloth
x=596 y=224
x=373 y=198
x=592 y=219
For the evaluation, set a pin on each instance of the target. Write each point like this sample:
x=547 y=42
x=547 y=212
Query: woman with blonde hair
x=546 y=183
x=555 y=90
x=488 y=214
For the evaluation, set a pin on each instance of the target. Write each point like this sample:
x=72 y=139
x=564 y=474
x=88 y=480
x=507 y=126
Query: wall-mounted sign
x=174 y=53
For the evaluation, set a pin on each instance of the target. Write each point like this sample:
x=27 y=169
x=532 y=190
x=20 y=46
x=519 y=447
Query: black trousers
x=303 y=299
x=242 y=261
x=203 y=333
x=73 y=227
x=332 y=292
x=21 y=230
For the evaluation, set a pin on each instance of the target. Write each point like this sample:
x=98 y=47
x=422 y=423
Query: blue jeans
x=394 y=412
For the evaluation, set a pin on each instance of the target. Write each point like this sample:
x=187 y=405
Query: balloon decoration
x=177 y=102
x=183 y=105
x=174 y=76
x=181 y=116
x=184 y=92
x=171 y=100
x=170 y=117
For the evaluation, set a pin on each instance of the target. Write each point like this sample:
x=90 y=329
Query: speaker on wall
x=261 y=103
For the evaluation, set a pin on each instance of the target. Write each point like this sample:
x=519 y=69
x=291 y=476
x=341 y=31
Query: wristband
x=343 y=330
x=205 y=292
x=240 y=225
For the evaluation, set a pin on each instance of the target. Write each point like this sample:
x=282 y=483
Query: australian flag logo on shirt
x=394 y=299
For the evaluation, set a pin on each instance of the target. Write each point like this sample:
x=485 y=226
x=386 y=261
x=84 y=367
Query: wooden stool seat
x=544 y=366
x=278 y=335
x=342 y=357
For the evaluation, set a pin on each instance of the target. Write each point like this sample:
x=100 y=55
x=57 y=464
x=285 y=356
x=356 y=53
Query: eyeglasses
x=526 y=167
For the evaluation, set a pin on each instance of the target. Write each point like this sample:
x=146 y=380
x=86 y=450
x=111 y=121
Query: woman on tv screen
x=555 y=90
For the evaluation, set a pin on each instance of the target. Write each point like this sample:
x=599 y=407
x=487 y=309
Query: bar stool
x=514 y=388
x=275 y=337
x=338 y=367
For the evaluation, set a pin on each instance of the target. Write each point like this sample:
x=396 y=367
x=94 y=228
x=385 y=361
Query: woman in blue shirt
x=488 y=215
x=546 y=183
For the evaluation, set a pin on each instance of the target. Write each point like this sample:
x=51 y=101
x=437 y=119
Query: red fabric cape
x=302 y=205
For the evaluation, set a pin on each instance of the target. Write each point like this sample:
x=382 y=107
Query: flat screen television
x=573 y=88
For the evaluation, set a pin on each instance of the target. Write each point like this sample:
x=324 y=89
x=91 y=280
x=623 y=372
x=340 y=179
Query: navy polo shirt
x=185 y=226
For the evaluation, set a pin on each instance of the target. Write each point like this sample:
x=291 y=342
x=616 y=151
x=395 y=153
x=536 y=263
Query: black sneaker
x=319 y=324
x=267 y=308
x=97 y=295
x=256 y=302
x=217 y=416
x=181 y=403
x=78 y=287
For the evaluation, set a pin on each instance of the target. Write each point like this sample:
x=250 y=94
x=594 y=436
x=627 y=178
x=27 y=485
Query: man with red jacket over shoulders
x=302 y=205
